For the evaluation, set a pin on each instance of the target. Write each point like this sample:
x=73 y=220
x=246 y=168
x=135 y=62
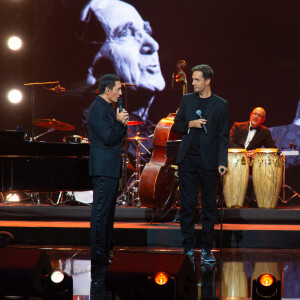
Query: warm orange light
x=266 y=279
x=161 y=278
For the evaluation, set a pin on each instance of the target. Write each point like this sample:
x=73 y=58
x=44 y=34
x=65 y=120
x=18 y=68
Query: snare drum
x=267 y=177
x=75 y=139
x=235 y=182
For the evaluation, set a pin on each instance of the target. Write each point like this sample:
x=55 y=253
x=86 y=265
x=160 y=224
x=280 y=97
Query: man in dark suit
x=107 y=129
x=202 y=120
x=251 y=135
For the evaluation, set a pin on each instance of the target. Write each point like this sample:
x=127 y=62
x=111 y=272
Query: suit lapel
x=255 y=138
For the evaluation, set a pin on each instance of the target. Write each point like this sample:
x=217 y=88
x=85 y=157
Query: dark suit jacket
x=106 y=136
x=214 y=145
x=239 y=132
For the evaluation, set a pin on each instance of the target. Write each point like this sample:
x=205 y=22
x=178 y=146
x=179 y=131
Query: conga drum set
x=267 y=170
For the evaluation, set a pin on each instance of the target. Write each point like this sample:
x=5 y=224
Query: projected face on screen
x=128 y=45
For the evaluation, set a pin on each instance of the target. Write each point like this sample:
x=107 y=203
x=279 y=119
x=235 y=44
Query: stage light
x=59 y=285
x=14 y=43
x=57 y=276
x=266 y=280
x=12 y=197
x=15 y=96
x=266 y=287
x=161 y=278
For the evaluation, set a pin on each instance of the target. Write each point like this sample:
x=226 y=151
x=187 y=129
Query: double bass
x=158 y=186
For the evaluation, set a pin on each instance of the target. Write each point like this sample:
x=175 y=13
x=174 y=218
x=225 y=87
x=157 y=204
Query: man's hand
x=123 y=116
x=197 y=123
x=222 y=170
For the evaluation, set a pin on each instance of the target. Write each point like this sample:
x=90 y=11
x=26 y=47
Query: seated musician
x=251 y=135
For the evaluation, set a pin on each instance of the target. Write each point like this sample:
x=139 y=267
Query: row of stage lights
x=15 y=43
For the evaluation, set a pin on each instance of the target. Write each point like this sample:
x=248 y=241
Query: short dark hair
x=108 y=80
x=206 y=70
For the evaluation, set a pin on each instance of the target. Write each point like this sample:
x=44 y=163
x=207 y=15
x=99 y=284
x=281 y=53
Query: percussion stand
x=284 y=186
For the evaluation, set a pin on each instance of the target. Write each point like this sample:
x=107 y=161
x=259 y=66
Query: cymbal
x=130 y=123
x=52 y=123
x=137 y=138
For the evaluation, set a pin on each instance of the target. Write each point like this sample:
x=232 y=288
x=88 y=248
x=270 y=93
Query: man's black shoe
x=190 y=254
x=207 y=257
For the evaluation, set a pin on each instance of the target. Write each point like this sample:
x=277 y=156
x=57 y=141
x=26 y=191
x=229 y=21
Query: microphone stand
x=222 y=213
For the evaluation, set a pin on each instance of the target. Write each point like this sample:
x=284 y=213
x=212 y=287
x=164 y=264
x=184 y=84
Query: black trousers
x=192 y=174
x=102 y=218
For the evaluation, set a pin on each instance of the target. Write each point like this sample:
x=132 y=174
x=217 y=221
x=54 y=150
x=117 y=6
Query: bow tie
x=252 y=128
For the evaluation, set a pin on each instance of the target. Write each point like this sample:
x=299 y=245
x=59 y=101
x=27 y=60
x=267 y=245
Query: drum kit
x=129 y=195
x=267 y=170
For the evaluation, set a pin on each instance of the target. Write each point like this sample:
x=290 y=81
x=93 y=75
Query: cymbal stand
x=33 y=85
x=130 y=193
x=48 y=131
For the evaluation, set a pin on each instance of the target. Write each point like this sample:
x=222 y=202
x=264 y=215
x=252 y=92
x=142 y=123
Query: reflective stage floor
x=230 y=280
x=255 y=241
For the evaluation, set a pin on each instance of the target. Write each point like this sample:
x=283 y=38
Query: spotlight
x=59 y=286
x=161 y=278
x=12 y=197
x=161 y=286
x=266 y=287
x=14 y=43
x=15 y=96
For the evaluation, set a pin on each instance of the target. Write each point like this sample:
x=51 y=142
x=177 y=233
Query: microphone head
x=198 y=113
x=120 y=104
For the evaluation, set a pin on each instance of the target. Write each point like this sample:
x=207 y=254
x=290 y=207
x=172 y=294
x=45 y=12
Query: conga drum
x=235 y=182
x=234 y=280
x=267 y=177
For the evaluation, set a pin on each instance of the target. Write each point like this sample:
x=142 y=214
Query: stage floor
x=134 y=227
x=253 y=239
x=232 y=278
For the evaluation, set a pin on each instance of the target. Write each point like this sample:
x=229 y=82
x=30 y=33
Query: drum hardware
x=52 y=125
x=130 y=195
x=131 y=123
x=75 y=139
x=33 y=86
x=284 y=187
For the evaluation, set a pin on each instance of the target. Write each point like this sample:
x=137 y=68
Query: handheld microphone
x=199 y=114
x=120 y=104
